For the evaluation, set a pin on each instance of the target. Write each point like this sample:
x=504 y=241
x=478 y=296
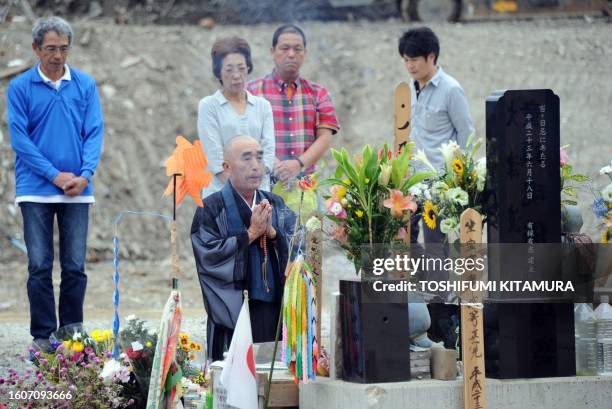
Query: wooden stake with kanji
x=472 y=328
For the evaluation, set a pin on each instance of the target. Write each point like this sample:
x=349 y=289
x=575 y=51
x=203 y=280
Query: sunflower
x=193 y=346
x=430 y=214
x=458 y=167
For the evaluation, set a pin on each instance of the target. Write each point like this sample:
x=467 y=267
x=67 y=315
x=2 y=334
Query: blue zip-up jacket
x=53 y=131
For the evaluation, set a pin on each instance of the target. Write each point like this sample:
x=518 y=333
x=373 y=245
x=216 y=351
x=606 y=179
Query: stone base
x=593 y=392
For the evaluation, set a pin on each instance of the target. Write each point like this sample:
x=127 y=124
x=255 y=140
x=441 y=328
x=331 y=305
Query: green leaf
x=414 y=179
x=578 y=178
x=569 y=202
x=566 y=170
x=570 y=191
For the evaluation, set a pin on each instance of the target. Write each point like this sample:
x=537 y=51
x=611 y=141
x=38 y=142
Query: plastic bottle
x=586 y=340
x=603 y=315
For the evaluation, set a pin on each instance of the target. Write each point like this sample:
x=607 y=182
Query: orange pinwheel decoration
x=188 y=162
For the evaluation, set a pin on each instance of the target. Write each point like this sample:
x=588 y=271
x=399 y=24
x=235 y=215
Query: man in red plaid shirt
x=304 y=117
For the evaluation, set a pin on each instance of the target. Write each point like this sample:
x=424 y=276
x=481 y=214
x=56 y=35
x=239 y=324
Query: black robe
x=222 y=264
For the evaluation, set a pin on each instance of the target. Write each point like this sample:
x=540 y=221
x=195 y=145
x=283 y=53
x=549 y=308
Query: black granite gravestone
x=375 y=338
x=524 y=206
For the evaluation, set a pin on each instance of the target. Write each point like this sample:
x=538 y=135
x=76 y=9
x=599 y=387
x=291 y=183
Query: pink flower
x=564 y=157
x=334 y=207
x=398 y=203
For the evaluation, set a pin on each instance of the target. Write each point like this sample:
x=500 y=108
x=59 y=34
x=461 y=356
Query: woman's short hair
x=230 y=45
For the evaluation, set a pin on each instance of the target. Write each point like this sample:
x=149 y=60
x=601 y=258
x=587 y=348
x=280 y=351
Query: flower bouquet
x=369 y=199
x=458 y=188
x=138 y=344
x=77 y=374
x=602 y=205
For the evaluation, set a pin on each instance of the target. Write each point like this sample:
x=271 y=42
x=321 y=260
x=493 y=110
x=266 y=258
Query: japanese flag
x=238 y=376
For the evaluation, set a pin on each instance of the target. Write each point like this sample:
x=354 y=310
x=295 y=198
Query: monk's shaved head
x=243 y=163
x=236 y=145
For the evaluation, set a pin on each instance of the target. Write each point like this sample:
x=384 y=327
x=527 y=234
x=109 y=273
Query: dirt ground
x=151 y=78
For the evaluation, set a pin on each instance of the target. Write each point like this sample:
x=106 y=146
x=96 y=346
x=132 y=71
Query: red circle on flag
x=251 y=361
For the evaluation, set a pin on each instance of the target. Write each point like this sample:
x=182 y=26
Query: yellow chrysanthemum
x=458 y=167
x=78 y=346
x=109 y=334
x=359 y=213
x=430 y=214
x=67 y=344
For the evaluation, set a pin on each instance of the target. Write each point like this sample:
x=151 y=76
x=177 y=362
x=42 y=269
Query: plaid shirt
x=297 y=113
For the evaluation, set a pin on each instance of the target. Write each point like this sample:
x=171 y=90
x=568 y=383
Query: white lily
x=421 y=157
x=448 y=150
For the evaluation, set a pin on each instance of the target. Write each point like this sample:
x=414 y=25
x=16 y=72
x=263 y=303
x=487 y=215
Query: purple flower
x=44 y=361
x=37 y=354
x=600 y=208
x=88 y=350
x=52 y=369
x=1 y=381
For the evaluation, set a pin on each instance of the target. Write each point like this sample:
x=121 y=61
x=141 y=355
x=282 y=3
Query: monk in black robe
x=226 y=235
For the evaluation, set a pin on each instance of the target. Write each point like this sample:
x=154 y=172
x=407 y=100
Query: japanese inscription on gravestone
x=524 y=206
